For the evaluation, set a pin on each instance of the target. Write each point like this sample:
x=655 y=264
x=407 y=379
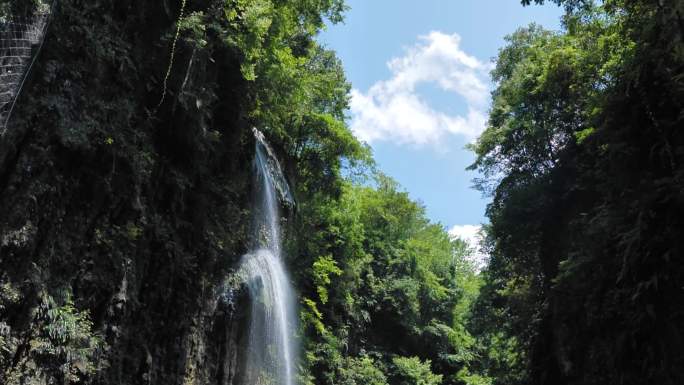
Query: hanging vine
x=173 y=52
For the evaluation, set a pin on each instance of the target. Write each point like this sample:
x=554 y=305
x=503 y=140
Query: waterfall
x=270 y=346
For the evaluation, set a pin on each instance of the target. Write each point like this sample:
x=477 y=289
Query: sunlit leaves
x=411 y=371
x=323 y=268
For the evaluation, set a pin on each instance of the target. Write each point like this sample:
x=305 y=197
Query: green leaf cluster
x=385 y=271
x=582 y=157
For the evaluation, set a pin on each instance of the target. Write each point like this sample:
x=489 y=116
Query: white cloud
x=393 y=110
x=472 y=235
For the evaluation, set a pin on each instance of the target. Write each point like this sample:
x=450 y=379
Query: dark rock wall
x=134 y=214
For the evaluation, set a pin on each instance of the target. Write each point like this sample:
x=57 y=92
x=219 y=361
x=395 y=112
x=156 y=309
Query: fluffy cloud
x=393 y=110
x=472 y=236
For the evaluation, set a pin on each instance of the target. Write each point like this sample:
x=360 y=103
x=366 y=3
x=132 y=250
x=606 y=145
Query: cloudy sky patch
x=394 y=110
x=472 y=235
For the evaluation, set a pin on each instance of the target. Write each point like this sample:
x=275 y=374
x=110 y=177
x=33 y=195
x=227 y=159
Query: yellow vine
x=173 y=52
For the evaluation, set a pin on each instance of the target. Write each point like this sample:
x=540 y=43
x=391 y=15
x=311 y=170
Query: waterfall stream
x=270 y=346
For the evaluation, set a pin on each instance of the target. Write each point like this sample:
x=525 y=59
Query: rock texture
x=119 y=218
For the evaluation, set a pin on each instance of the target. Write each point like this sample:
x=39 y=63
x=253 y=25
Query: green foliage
x=60 y=347
x=473 y=379
x=322 y=269
x=393 y=274
x=273 y=34
x=412 y=371
x=361 y=371
x=582 y=150
x=311 y=316
x=66 y=340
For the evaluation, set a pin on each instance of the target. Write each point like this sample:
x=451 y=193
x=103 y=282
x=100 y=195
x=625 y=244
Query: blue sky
x=419 y=73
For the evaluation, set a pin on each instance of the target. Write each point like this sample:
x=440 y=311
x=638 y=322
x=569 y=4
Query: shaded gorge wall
x=118 y=219
x=123 y=219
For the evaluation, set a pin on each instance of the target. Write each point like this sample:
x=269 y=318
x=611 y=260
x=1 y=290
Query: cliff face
x=120 y=221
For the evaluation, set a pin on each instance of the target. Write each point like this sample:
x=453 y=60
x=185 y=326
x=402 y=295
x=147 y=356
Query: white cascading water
x=270 y=344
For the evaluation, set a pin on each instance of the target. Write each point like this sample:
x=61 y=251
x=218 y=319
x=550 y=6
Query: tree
x=379 y=269
x=412 y=371
x=580 y=157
